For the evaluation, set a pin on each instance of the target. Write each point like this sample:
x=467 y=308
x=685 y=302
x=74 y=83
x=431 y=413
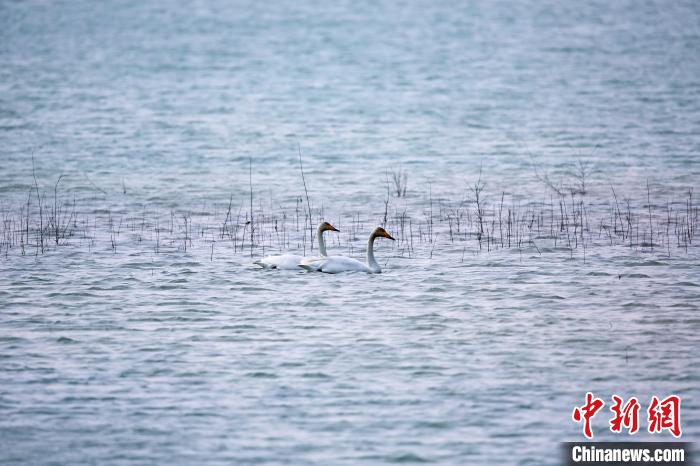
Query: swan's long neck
x=371 y=261
x=321 y=243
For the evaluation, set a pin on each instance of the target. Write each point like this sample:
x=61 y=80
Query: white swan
x=291 y=261
x=337 y=264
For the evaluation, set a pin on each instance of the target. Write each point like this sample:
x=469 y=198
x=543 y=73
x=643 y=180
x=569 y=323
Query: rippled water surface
x=144 y=339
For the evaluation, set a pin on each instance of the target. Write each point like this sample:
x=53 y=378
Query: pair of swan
x=325 y=263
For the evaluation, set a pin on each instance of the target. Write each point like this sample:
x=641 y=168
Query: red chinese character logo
x=625 y=416
x=586 y=413
x=665 y=415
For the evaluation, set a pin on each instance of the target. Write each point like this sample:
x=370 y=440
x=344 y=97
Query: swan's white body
x=339 y=264
x=292 y=261
x=281 y=262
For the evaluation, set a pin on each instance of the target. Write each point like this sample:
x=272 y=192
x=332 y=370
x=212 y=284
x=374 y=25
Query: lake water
x=147 y=337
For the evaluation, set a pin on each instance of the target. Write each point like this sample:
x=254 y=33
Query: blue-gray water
x=454 y=355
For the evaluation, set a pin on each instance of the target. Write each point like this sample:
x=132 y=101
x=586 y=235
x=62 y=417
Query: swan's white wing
x=335 y=264
x=282 y=262
x=312 y=264
x=311 y=259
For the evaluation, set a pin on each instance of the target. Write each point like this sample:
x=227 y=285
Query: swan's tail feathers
x=263 y=264
x=310 y=260
x=311 y=264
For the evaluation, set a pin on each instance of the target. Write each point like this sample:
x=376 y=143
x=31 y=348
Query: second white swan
x=338 y=264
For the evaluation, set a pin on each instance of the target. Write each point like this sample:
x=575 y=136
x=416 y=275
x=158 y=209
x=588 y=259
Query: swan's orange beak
x=331 y=228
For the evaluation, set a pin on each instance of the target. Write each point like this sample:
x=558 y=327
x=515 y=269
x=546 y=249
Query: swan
x=291 y=261
x=337 y=264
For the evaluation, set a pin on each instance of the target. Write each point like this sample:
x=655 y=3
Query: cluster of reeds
x=561 y=220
